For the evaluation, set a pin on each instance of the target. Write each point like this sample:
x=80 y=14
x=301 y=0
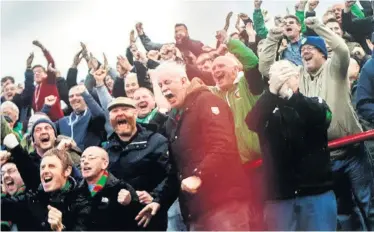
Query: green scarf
x=19 y=191
x=147 y=118
x=66 y=187
x=100 y=183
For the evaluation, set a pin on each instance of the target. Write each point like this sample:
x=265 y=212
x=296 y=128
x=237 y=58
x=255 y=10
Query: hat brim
x=120 y=104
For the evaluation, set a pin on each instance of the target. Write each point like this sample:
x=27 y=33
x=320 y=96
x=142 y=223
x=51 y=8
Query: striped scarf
x=21 y=189
x=100 y=183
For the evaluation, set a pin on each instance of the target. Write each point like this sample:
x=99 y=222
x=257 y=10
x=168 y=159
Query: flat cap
x=121 y=101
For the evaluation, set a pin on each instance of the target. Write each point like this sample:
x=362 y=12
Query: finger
x=148 y=219
x=144 y=211
x=142 y=221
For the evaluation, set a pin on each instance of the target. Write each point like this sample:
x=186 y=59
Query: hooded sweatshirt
x=330 y=82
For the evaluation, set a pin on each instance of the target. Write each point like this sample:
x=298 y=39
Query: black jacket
x=29 y=211
x=105 y=213
x=203 y=143
x=293 y=138
x=143 y=163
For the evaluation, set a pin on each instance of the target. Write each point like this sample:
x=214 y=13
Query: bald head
x=97 y=151
x=94 y=161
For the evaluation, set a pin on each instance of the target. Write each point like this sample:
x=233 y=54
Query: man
x=113 y=203
x=13 y=186
x=46 y=85
x=55 y=206
x=148 y=112
x=182 y=40
x=202 y=140
x=23 y=99
x=11 y=112
x=296 y=163
x=138 y=156
x=85 y=125
x=44 y=138
x=292 y=31
x=328 y=79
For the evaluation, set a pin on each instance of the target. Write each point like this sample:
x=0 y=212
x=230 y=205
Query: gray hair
x=173 y=67
x=11 y=105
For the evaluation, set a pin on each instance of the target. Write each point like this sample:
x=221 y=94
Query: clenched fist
x=191 y=184
x=124 y=197
x=55 y=218
x=50 y=100
x=276 y=33
x=144 y=197
x=312 y=22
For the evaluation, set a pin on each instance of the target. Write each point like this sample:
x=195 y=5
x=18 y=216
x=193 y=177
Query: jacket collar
x=111 y=182
x=138 y=142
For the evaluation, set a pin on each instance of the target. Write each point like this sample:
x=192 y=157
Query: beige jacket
x=330 y=82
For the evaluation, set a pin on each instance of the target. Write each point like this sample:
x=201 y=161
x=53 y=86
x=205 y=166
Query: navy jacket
x=365 y=92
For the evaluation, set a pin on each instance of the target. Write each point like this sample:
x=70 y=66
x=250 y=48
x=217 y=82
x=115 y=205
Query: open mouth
x=9 y=182
x=47 y=179
x=289 y=29
x=121 y=122
x=308 y=58
x=86 y=169
x=143 y=105
x=44 y=139
x=168 y=94
x=219 y=76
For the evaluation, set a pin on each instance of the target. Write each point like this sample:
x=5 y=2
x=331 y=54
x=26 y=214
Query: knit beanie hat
x=317 y=42
x=43 y=120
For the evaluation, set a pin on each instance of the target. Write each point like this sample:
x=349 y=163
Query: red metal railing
x=341 y=142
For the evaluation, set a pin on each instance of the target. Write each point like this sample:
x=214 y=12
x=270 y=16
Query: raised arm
x=50 y=61
x=341 y=56
x=258 y=20
x=269 y=52
x=146 y=41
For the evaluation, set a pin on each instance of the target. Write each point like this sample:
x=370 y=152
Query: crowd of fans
x=193 y=137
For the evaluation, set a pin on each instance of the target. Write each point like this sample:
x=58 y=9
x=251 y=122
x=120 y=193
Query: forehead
x=73 y=90
x=142 y=92
x=51 y=160
x=203 y=57
x=43 y=125
x=180 y=28
x=8 y=166
x=338 y=6
x=38 y=69
x=224 y=60
x=131 y=78
x=91 y=151
x=10 y=86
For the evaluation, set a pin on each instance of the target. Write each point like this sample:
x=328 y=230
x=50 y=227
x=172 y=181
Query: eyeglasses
x=89 y=158
x=307 y=49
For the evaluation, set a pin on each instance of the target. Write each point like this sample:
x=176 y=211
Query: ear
x=105 y=164
x=67 y=172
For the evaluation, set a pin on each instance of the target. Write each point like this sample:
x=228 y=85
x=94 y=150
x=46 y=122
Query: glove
x=10 y=141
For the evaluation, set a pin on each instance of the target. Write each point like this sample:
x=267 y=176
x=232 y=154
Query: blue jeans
x=175 y=219
x=316 y=212
x=356 y=170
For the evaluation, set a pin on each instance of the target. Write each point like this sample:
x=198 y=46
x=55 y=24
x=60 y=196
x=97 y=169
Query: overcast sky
x=105 y=25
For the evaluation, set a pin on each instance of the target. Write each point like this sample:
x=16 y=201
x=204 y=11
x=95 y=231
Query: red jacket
x=46 y=88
